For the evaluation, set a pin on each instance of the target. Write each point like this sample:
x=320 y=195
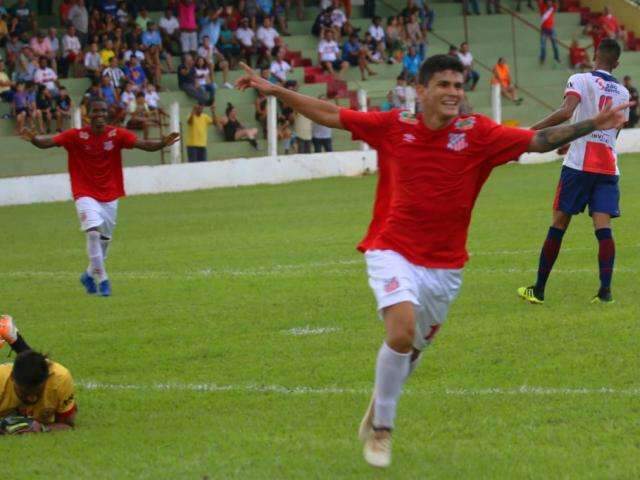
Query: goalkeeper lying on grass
x=36 y=394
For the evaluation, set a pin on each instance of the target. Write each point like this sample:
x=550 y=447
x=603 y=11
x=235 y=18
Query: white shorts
x=189 y=41
x=394 y=279
x=95 y=214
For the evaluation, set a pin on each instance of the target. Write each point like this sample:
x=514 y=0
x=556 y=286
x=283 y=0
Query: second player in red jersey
x=95 y=171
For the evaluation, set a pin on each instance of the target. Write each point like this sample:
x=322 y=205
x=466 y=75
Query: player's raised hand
x=170 y=139
x=27 y=134
x=251 y=79
x=611 y=117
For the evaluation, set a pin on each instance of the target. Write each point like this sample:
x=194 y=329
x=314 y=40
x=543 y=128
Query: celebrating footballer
x=431 y=169
x=95 y=169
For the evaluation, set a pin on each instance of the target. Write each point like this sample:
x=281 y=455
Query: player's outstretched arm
x=319 y=111
x=551 y=138
x=155 y=145
x=40 y=141
x=560 y=115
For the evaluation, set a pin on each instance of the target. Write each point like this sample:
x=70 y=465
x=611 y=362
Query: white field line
x=524 y=390
x=308 y=330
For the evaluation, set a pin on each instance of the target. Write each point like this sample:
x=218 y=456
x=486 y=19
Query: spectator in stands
x=280 y=17
x=228 y=45
x=25 y=16
x=135 y=74
x=578 y=58
x=153 y=102
x=133 y=51
x=52 y=36
x=260 y=116
x=122 y=14
x=251 y=12
x=329 y=54
x=356 y=55
x=412 y=61
x=377 y=33
x=108 y=93
x=321 y=135
x=139 y=116
x=63 y=11
x=6 y=85
x=215 y=61
x=338 y=18
x=107 y=53
x=246 y=37
x=128 y=96
x=203 y=78
x=64 y=108
x=322 y=22
x=266 y=36
x=79 y=18
x=41 y=46
x=71 y=52
x=170 y=32
x=633 y=97
x=188 y=26
x=187 y=81
x=46 y=76
x=109 y=7
x=415 y=35
x=26 y=65
x=279 y=66
x=609 y=24
x=143 y=19
x=547 y=29
x=233 y=130
x=302 y=128
x=395 y=37
x=265 y=8
x=92 y=61
x=21 y=107
x=211 y=25
x=471 y=76
x=44 y=109
x=502 y=76
x=115 y=74
x=13 y=48
x=197 y=133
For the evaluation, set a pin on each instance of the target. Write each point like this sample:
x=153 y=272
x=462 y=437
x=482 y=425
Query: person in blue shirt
x=135 y=73
x=211 y=25
x=266 y=7
x=152 y=36
x=355 y=55
x=411 y=61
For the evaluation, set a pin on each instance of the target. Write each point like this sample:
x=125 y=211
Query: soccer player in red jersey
x=432 y=168
x=95 y=169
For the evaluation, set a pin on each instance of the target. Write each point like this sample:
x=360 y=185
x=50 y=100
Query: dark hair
x=93 y=100
x=275 y=50
x=30 y=369
x=609 y=50
x=229 y=108
x=438 y=63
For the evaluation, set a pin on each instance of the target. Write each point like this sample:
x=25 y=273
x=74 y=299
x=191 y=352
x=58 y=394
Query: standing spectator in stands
x=197 y=137
x=6 y=85
x=633 y=97
x=246 y=37
x=79 y=18
x=265 y=8
x=329 y=54
x=377 y=32
x=233 y=130
x=266 y=36
x=46 y=76
x=215 y=60
x=321 y=135
x=187 y=81
x=412 y=61
x=64 y=108
x=115 y=74
x=415 y=35
x=122 y=14
x=609 y=24
x=170 y=32
x=92 y=61
x=470 y=75
x=71 y=51
x=280 y=17
x=279 y=66
x=210 y=25
x=25 y=16
x=188 y=26
x=578 y=58
x=547 y=29
x=63 y=11
x=502 y=77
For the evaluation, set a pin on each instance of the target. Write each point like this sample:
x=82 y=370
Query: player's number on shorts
x=604 y=101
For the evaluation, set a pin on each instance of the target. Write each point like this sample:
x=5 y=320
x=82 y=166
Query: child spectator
x=64 y=108
x=203 y=78
x=44 y=105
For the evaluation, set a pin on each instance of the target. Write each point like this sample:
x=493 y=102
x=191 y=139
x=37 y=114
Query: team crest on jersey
x=408 y=117
x=391 y=285
x=408 y=138
x=465 y=123
x=108 y=145
x=457 y=142
x=84 y=135
x=601 y=83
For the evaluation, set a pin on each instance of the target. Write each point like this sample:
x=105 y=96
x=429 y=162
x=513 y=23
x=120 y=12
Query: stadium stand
x=510 y=35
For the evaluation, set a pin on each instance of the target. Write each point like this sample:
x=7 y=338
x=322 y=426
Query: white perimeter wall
x=232 y=173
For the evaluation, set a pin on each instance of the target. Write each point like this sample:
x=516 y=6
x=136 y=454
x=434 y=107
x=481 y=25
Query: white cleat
x=377 y=449
x=366 y=425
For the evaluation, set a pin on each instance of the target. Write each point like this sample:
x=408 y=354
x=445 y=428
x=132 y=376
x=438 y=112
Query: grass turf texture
x=207 y=284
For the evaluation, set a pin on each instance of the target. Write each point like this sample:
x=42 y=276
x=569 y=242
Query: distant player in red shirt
x=432 y=168
x=95 y=168
x=547 y=29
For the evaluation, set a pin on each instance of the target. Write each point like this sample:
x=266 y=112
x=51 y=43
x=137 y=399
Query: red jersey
x=547 y=15
x=432 y=179
x=95 y=161
x=609 y=24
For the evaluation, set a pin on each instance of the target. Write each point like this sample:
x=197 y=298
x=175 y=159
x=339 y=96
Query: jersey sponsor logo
x=391 y=285
x=108 y=145
x=408 y=117
x=457 y=142
x=112 y=133
x=408 y=138
x=465 y=123
x=84 y=135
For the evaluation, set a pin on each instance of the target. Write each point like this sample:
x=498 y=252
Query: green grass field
x=192 y=368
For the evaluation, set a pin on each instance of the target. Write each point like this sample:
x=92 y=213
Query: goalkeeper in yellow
x=36 y=394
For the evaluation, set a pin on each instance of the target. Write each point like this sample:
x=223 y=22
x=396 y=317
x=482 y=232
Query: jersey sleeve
x=500 y=144
x=574 y=87
x=66 y=138
x=127 y=138
x=369 y=127
x=66 y=395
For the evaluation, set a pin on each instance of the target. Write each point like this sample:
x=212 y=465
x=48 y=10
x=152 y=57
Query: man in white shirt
x=46 y=76
x=79 y=18
x=71 y=51
x=470 y=75
x=92 y=61
x=329 y=54
x=170 y=31
x=246 y=38
x=338 y=18
x=377 y=33
x=266 y=36
x=279 y=67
